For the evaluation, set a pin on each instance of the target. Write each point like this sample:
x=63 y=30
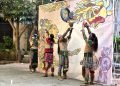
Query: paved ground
x=19 y=75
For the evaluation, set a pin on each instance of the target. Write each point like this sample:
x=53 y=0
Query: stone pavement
x=17 y=74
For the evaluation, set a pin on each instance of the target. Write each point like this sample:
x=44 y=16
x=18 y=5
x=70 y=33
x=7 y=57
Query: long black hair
x=94 y=39
x=58 y=47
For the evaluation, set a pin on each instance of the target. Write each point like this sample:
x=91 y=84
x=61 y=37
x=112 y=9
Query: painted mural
x=95 y=11
x=46 y=24
x=99 y=14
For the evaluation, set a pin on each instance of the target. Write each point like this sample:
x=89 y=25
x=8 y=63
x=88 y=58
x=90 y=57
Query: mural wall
x=100 y=16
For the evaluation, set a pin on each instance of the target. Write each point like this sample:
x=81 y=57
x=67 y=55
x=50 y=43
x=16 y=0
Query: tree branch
x=25 y=28
x=12 y=25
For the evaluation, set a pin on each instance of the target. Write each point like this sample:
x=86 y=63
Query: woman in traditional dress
x=48 y=53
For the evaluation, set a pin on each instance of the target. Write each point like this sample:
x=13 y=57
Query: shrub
x=117 y=44
x=8 y=54
x=1 y=45
x=8 y=43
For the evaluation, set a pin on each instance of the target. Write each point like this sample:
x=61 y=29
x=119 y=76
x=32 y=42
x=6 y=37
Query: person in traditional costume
x=89 y=53
x=48 y=53
x=34 y=58
x=63 y=52
x=34 y=51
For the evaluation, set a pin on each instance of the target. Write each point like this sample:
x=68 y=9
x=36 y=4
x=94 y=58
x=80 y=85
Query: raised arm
x=84 y=35
x=65 y=33
x=88 y=29
x=87 y=25
x=69 y=36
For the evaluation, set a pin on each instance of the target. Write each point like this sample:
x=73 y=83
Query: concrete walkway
x=18 y=75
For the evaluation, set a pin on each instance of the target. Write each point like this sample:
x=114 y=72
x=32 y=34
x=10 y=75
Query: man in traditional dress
x=63 y=52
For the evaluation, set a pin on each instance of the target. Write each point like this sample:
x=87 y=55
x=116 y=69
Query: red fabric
x=48 y=40
x=47 y=50
x=49 y=58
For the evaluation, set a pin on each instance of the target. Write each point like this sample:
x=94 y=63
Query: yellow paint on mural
x=109 y=12
x=99 y=3
x=103 y=12
x=53 y=7
x=87 y=9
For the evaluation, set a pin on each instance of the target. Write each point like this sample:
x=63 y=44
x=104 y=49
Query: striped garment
x=88 y=60
x=63 y=59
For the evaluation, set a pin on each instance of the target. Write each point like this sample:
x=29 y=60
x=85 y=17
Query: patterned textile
x=63 y=59
x=88 y=57
x=48 y=57
x=48 y=50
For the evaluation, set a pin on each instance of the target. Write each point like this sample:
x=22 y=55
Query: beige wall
x=23 y=39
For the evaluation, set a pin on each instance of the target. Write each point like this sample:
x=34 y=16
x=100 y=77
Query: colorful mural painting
x=99 y=13
x=95 y=11
x=105 y=64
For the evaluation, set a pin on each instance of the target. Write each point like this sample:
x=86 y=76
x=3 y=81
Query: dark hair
x=94 y=39
x=58 y=47
x=52 y=38
x=71 y=24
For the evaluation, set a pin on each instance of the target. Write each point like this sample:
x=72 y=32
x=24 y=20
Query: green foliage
x=1 y=46
x=25 y=10
x=8 y=55
x=8 y=43
x=40 y=2
x=117 y=44
x=22 y=9
x=46 y=1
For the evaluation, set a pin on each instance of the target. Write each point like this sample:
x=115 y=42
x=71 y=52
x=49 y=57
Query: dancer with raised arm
x=91 y=46
x=63 y=52
x=48 y=53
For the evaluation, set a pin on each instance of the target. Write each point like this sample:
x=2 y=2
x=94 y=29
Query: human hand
x=86 y=24
x=68 y=37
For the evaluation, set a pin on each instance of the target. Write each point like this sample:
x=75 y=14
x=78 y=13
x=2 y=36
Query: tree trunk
x=16 y=37
x=14 y=30
x=18 y=54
